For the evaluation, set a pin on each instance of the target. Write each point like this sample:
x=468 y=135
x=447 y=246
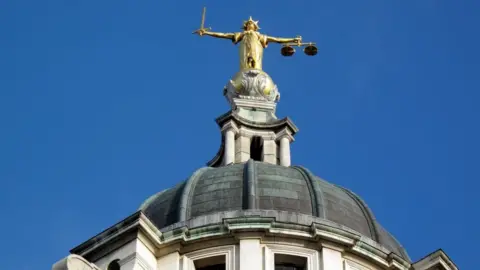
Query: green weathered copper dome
x=290 y=194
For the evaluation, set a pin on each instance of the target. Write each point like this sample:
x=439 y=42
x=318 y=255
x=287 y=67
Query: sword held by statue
x=202 y=24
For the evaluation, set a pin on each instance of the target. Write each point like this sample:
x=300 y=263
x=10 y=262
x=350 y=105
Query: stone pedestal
x=257 y=110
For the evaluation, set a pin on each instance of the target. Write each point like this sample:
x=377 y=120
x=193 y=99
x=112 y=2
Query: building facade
x=250 y=209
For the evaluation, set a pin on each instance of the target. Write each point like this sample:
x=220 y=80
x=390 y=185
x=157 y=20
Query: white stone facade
x=248 y=254
x=245 y=246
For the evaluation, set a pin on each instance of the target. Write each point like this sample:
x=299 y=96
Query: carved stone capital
x=230 y=125
x=285 y=133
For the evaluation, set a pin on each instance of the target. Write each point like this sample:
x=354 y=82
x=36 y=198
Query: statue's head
x=250 y=25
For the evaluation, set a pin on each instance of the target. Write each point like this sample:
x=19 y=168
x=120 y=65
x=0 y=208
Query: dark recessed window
x=211 y=263
x=290 y=262
x=114 y=265
x=256 y=148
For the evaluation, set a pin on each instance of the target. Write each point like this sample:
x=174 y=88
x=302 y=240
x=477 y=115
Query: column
x=250 y=254
x=229 y=130
x=285 y=151
x=285 y=138
x=229 y=153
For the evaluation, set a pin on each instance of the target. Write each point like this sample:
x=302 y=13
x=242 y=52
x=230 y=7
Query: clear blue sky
x=104 y=103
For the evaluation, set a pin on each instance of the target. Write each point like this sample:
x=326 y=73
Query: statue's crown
x=252 y=21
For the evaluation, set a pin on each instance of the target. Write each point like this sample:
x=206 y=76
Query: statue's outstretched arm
x=219 y=34
x=284 y=40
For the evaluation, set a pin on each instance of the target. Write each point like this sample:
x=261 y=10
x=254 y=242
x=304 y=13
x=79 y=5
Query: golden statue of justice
x=253 y=42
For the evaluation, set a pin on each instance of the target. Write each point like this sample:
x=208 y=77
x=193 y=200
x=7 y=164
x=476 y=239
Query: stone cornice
x=266 y=135
x=437 y=258
x=131 y=225
x=324 y=232
x=252 y=102
x=121 y=227
x=273 y=125
x=285 y=133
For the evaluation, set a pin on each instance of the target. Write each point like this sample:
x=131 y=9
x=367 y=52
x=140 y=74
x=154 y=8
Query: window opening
x=290 y=262
x=114 y=265
x=211 y=263
x=256 y=148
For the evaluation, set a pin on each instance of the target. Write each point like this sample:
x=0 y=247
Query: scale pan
x=310 y=50
x=287 y=51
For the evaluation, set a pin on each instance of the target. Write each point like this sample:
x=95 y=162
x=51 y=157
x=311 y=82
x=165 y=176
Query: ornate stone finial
x=253 y=95
x=252 y=84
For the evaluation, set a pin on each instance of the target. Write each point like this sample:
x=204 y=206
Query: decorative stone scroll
x=74 y=262
x=253 y=84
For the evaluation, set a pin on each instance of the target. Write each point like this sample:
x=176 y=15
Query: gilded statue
x=252 y=42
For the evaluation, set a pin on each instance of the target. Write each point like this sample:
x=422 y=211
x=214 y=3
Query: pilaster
x=242 y=149
x=169 y=262
x=270 y=151
x=250 y=253
x=332 y=258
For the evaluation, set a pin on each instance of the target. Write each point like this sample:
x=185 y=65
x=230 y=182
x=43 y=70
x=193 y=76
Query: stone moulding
x=435 y=260
x=221 y=225
x=312 y=257
x=227 y=251
x=277 y=124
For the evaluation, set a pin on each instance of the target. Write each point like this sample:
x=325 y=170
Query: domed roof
x=258 y=185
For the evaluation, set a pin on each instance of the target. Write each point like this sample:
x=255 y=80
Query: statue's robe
x=251 y=48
